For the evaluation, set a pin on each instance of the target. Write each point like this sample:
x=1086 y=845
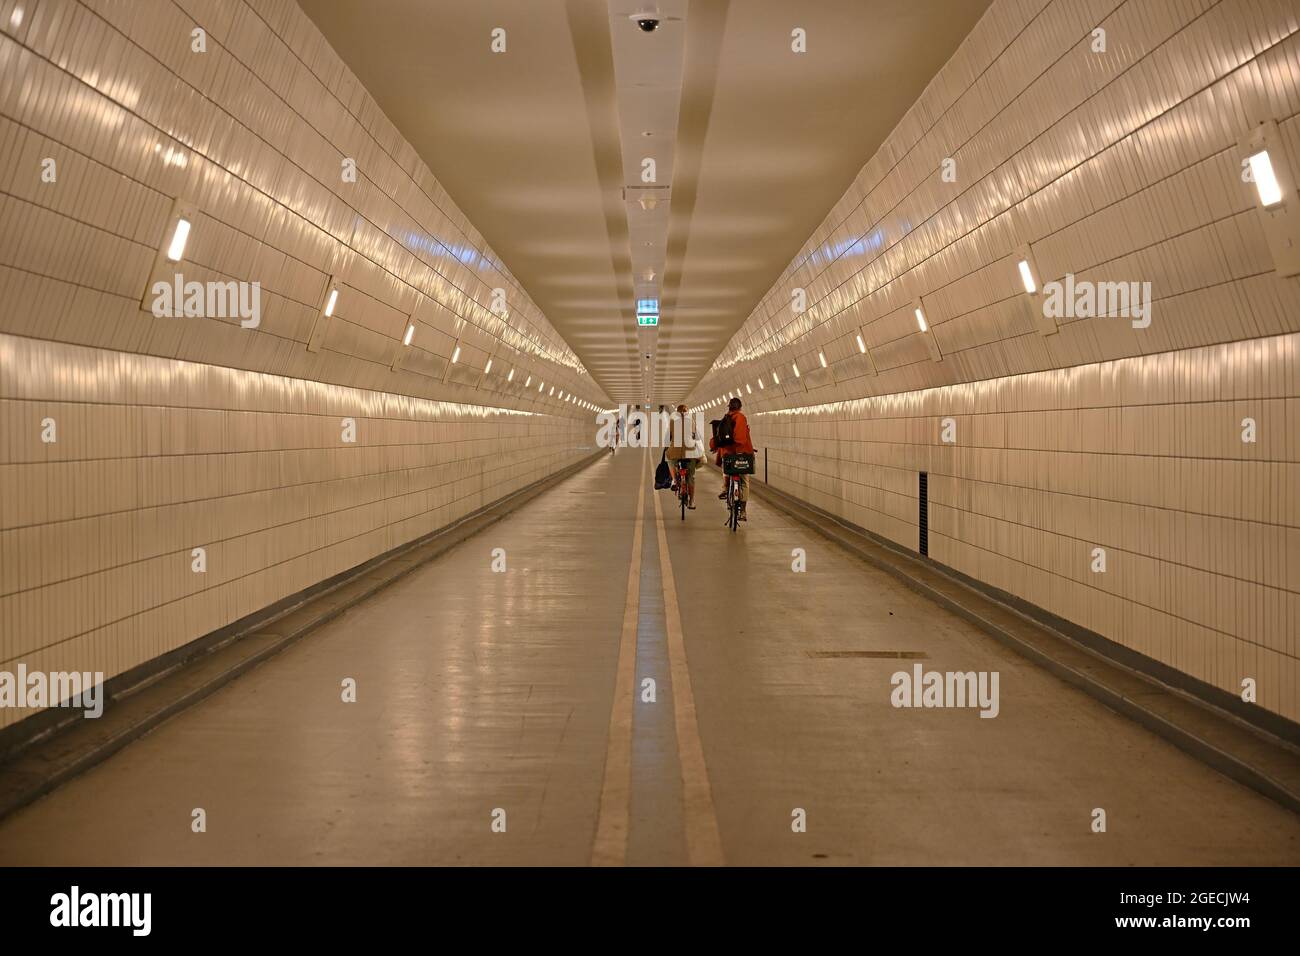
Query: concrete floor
x=479 y=690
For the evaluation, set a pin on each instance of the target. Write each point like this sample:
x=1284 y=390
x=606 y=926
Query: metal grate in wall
x=923 y=511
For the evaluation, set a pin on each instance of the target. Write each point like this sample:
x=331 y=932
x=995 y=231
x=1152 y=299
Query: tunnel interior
x=345 y=347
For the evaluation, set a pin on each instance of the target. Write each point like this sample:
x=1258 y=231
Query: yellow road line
x=703 y=842
x=610 y=847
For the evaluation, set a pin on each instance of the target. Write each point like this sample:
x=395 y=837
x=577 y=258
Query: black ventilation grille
x=923 y=513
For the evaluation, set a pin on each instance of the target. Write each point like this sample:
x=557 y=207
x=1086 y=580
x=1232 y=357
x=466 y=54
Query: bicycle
x=734 y=467
x=681 y=477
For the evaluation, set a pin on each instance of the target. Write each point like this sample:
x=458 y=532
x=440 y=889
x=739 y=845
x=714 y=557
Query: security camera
x=647 y=24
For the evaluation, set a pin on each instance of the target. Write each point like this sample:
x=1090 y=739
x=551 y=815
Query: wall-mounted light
x=1267 y=187
x=748 y=390
x=776 y=379
x=821 y=357
x=923 y=323
x=760 y=383
x=861 y=340
x=176 y=234
x=455 y=355
x=511 y=376
x=1265 y=163
x=400 y=353
x=528 y=382
x=1027 y=275
x=328 y=302
x=795 y=366
x=180 y=234
x=488 y=367
x=1031 y=281
x=540 y=386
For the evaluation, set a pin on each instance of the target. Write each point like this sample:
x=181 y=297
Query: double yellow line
x=703 y=842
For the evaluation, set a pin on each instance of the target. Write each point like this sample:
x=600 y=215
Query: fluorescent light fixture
x=528 y=382
x=760 y=383
x=488 y=367
x=776 y=379
x=181 y=233
x=1031 y=279
x=1273 y=170
x=1027 y=276
x=511 y=376
x=931 y=343
x=795 y=366
x=870 y=368
x=455 y=355
x=327 y=300
x=822 y=356
x=171 y=250
x=400 y=353
x=551 y=392
x=748 y=390
x=1266 y=184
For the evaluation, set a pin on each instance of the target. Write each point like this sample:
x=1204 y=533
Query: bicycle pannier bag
x=738 y=464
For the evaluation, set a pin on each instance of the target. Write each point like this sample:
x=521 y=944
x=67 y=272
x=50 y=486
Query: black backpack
x=724 y=431
x=663 y=474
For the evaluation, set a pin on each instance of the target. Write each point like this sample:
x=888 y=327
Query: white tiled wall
x=176 y=433
x=1115 y=165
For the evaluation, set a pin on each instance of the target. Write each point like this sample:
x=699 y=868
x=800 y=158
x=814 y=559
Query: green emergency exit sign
x=647 y=320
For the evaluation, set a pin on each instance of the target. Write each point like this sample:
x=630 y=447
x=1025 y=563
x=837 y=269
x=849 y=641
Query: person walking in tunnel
x=731 y=437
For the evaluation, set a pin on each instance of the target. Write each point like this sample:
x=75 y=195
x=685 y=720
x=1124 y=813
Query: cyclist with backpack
x=731 y=437
x=685 y=446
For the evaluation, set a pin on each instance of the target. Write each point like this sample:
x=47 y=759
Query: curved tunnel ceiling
x=541 y=145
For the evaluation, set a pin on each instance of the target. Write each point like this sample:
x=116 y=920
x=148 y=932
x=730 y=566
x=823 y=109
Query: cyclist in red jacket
x=740 y=444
